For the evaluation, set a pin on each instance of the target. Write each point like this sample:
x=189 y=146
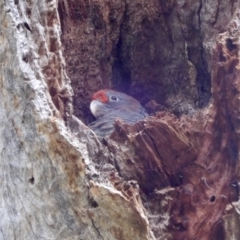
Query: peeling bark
x=173 y=175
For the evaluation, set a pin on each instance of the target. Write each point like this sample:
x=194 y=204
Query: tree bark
x=174 y=175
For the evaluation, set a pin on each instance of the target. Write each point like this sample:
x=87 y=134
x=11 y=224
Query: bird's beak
x=95 y=107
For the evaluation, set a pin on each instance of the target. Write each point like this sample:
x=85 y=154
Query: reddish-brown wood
x=158 y=51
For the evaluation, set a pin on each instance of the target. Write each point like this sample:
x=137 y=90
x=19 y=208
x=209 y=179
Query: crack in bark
x=96 y=229
x=2 y=234
x=29 y=222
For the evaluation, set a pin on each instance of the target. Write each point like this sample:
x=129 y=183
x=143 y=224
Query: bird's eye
x=113 y=98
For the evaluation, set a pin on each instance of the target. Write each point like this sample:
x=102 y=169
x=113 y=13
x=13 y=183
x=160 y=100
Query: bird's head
x=105 y=101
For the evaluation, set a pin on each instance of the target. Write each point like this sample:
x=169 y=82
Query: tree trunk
x=173 y=175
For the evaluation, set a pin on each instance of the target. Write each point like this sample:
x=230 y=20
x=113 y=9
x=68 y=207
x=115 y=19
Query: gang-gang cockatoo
x=108 y=105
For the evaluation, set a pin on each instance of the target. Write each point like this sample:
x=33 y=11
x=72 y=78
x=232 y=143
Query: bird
x=107 y=105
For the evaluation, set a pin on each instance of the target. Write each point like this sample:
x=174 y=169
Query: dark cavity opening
x=31 y=180
x=230 y=45
x=212 y=198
